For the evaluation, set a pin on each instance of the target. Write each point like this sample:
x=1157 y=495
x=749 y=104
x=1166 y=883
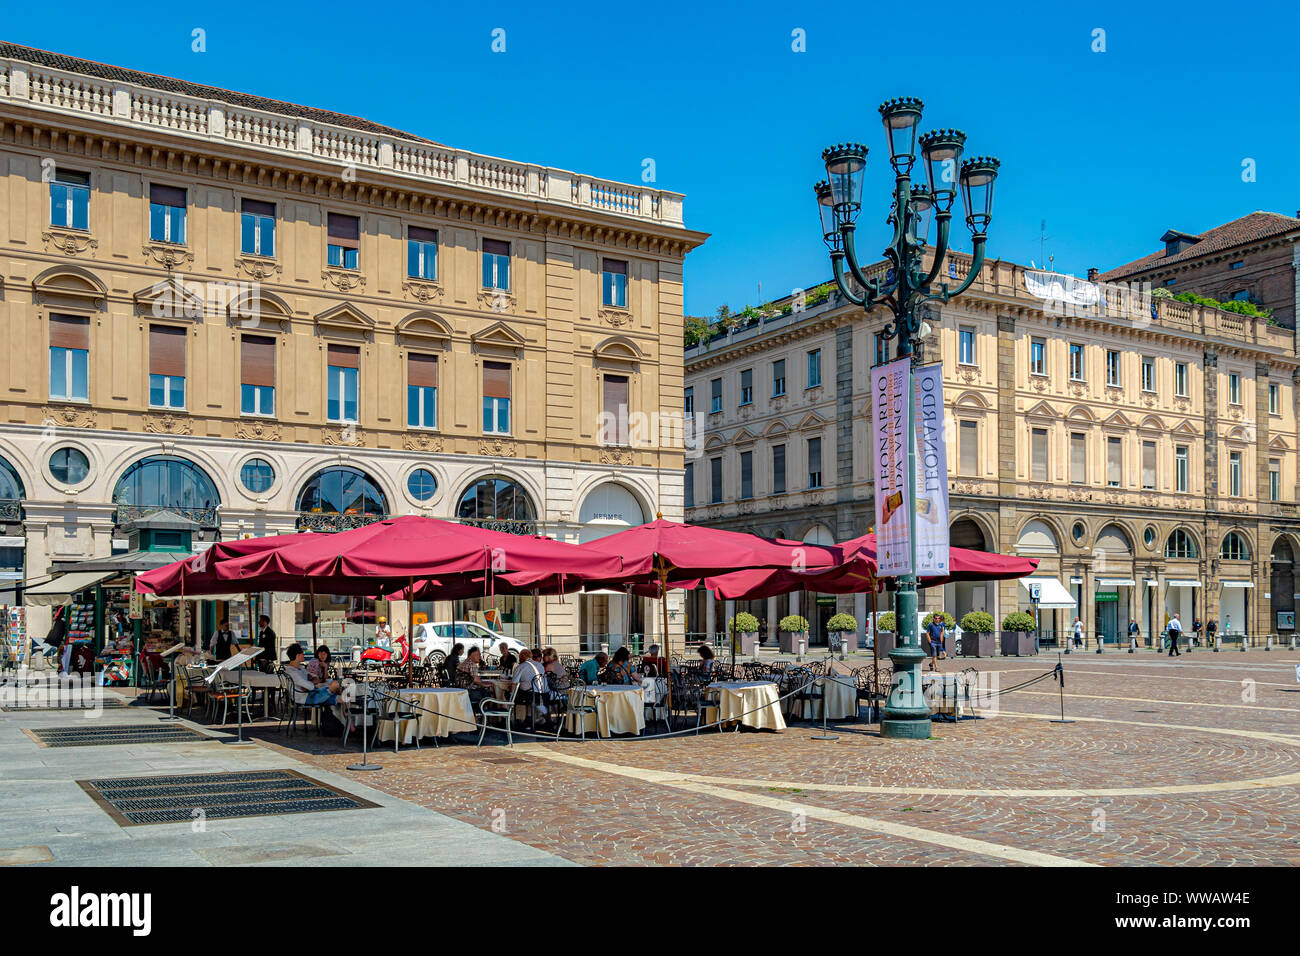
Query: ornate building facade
x=269 y=317
x=1143 y=449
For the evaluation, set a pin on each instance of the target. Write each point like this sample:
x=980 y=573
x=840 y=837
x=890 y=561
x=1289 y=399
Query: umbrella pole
x=311 y=610
x=668 y=652
x=410 y=632
x=875 y=646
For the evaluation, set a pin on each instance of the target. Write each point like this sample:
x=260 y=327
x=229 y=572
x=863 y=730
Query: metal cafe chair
x=500 y=710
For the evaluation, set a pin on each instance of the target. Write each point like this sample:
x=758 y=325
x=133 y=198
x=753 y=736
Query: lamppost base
x=365 y=766
x=906 y=729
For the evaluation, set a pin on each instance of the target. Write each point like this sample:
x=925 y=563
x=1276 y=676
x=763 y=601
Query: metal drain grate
x=73 y=708
x=133 y=801
x=113 y=734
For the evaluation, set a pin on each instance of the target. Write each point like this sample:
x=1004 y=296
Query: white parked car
x=433 y=642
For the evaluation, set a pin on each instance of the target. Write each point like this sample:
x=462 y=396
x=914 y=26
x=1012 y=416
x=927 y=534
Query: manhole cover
x=135 y=801
x=80 y=736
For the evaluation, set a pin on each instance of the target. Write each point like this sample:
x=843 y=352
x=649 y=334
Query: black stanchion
x=365 y=734
x=1059 y=673
x=824 y=735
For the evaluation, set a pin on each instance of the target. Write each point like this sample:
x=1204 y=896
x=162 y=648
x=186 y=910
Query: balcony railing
x=333 y=521
x=203 y=517
x=508 y=525
x=209 y=120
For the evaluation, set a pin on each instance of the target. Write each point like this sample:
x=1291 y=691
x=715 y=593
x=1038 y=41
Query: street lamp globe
x=846 y=164
x=942 y=151
x=901 y=116
x=977 y=178
x=826 y=209
x=922 y=205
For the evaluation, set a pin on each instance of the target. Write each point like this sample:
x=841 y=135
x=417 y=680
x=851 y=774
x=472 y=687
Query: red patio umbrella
x=196 y=575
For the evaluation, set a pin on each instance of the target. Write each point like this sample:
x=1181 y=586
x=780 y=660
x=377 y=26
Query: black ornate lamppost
x=905 y=289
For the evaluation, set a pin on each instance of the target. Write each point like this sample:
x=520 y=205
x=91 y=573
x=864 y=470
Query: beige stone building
x=269 y=317
x=1147 y=458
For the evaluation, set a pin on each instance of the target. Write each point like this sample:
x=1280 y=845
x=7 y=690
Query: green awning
x=60 y=590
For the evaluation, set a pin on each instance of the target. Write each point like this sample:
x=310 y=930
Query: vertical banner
x=931 y=472
x=889 y=459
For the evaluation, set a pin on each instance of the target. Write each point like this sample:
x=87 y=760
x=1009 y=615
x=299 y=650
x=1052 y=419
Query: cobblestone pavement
x=1191 y=761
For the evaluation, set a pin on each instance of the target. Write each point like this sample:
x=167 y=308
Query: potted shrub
x=977 y=635
x=793 y=629
x=885 y=627
x=744 y=633
x=1018 y=635
x=846 y=626
x=949 y=635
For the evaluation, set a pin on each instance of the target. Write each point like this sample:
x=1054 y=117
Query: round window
x=69 y=466
x=257 y=475
x=1149 y=536
x=1078 y=531
x=422 y=485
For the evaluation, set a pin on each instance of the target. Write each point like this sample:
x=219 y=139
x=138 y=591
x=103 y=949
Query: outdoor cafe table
x=620 y=709
x=755 y=703
x=943 y=691
x=452 y=713
x=841 y=692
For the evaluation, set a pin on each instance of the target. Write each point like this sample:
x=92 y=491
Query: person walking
x=1134 y=632
x=1175 y=629
x=1077 y=635
x=1211 y=630
x=935 y=630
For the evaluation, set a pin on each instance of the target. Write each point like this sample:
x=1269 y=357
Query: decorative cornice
x=167 y=255
x=496 y=300
x=497 y=447
x=345 y=280
x=422 y=441
x=68 y=242
x=615 y=317
x=615 y=456
x=422 y=290
x=257 y=267
x=349 y=435
x=168 y=424
x=256 y=429
x=72 y=416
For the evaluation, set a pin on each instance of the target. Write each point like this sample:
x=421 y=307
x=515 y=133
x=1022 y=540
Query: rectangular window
x=968 y=448
x=1180 y=379
x=1234 y=474
x=1037 y=356
x=70 y=199
x=613 y=283
x=421 y=390
x=715 y=395
x=1274 y=400
x=496 y=398
x=778 y=378
x=746 y=474
x=1148 y=465
x=1169 y=282
x=342 y=388
x=1241 y=295
x=814 y=368
x=167 y=214
x=746 y=386
x=166 y=366
x=1038 y=454
x=1274 y=480
x=688 y=403
x=257 y=375
x=778 y=469
x=966 y=345
x=69 y=358
x=688 y=484
x=1112 y=367
x=882 y=349
x=496 y=265
x=257 y=228
x=422 y=253
x=814 y=462
x=344 y=241
x=1114 y=462
x=1076 y=363
x=715 y=481
x=1148 y=374
x=1234 y=388
x=1182 y=467
x=1078 y=458
x=616 y=405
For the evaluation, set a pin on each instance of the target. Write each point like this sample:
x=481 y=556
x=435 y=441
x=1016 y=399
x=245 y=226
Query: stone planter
x=747 y=643
x=886 y=641
x=1019 y=644
x=788 y=641
x=848 y=640
x=978 y=645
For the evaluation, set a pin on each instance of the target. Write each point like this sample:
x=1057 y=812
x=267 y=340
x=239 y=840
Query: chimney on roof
x=1092 y=275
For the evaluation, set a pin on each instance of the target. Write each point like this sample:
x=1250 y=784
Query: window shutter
x=615 y=267
x=166 y=350
x=256 y=207
x=422 y=370
x=496 y=379
x=969 y=448
x=420 y=234
x=345 y=356
x=258 y=360
x=69 y=332
x=1148 y=464
x=1038 y=455
x=344 y=231
x=167 y=195
x=495 y=247
x=616 y=392
x=1078 y=458
x=1114 y=461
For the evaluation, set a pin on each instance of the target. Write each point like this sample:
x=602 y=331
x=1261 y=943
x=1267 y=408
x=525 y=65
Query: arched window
x=498 y=503
x=337 y=498
x=1180 y=545
x=1234 y=548
x=11 y=486
x=161 y=483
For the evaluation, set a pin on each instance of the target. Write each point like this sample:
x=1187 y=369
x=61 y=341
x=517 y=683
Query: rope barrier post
x=1060 y=680
x=823 y=735
x=365 y=727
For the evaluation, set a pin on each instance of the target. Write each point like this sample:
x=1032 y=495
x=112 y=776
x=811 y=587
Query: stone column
x=1209 y=603
x=771 y=620
x=860 y=612
x=710 y=623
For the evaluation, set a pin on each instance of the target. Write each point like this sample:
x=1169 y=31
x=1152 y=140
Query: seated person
x=590 y=670
x=467 y=676
x=508 y=659
x=707 y=663
x=312 y=691
x=556 y=676
x=652 y=664
x=451 y=663
x=620 y=671
x=531 y=678
x=318 y=668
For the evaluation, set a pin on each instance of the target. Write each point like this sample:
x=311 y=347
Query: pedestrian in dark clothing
x=1175 y=629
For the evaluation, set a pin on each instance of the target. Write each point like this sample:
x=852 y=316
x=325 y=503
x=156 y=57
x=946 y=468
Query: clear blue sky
x=1110 y=148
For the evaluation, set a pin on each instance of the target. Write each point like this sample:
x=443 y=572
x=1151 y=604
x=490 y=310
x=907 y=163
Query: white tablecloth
x=620 y=709
x=452 y=713
x=754 y=703
x=936 y=686
x=841 y=692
